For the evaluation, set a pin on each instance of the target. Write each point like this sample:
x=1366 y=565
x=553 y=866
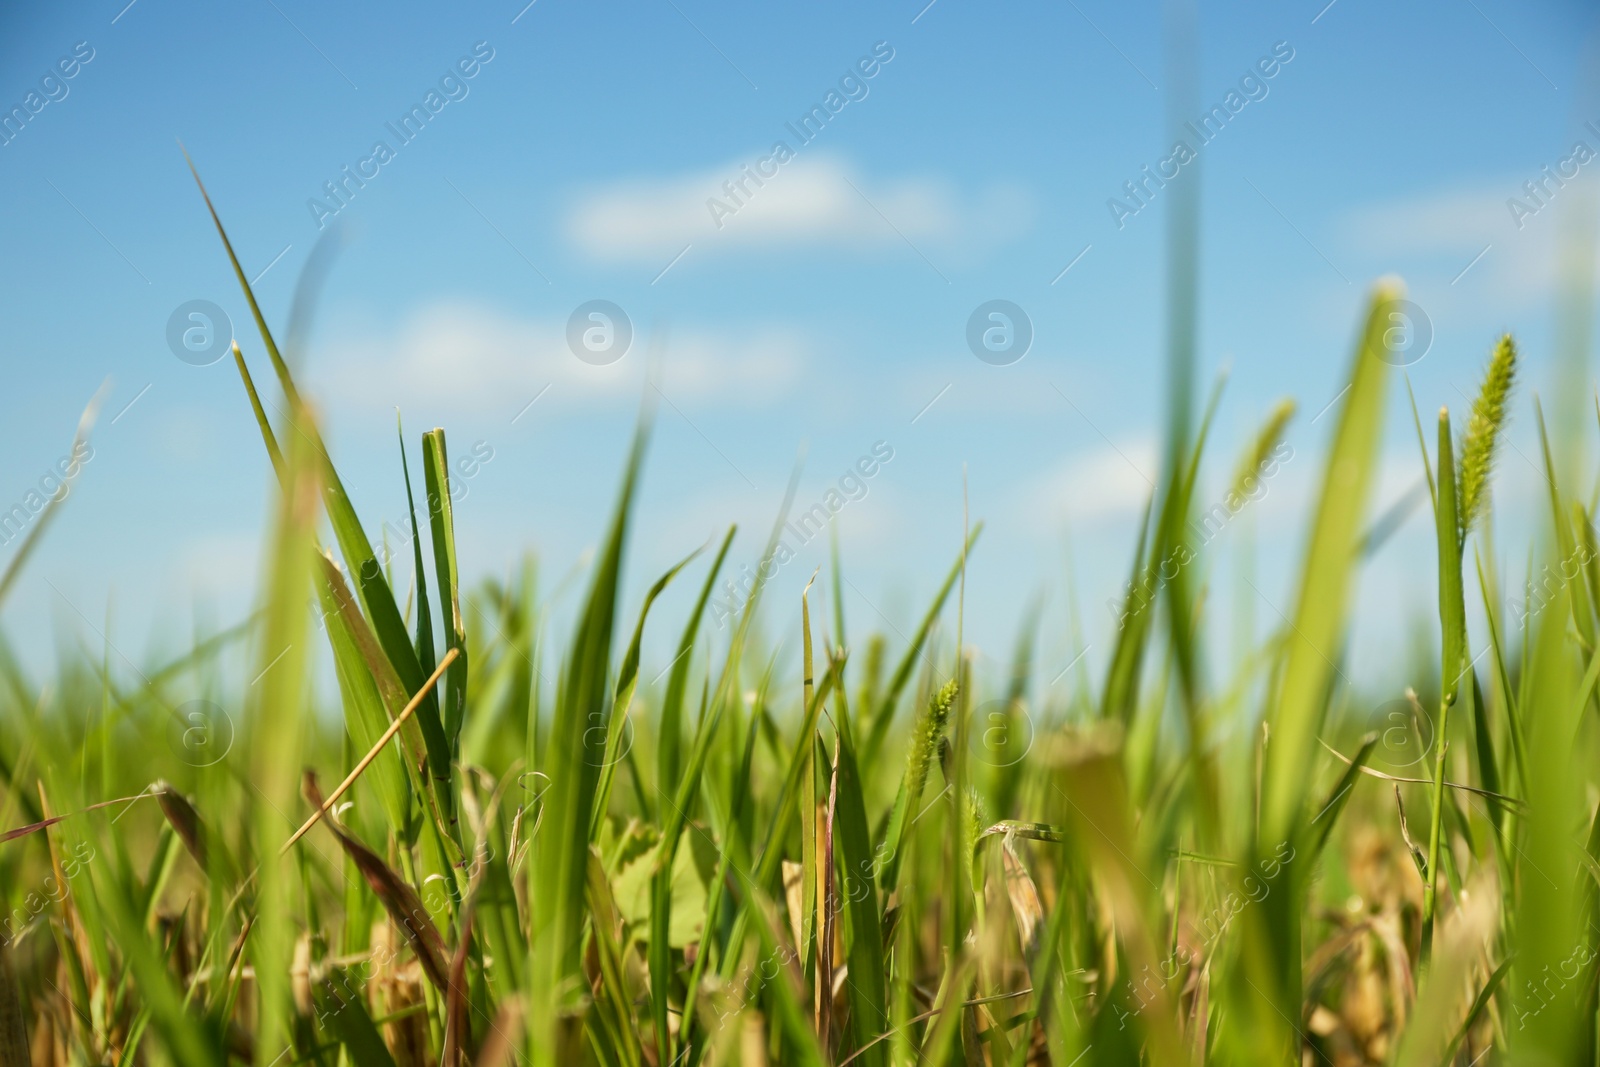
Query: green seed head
x=1483 y=430
x=930 y=728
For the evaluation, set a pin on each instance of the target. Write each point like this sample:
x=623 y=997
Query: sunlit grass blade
x=577 y=748
x=372 y=588
x=1265 y=993
x=273 y=733
x=441 y=517
x=1453 y=643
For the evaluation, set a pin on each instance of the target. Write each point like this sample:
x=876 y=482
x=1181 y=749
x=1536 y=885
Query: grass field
x=498 y=847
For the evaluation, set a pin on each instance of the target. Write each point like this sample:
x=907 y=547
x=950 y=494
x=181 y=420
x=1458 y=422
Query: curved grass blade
x=627 y=683
x=1327 y=815
x=669 y=745
x=395 y=894
x=372 y=588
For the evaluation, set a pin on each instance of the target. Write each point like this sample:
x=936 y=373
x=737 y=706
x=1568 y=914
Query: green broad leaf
x=632 y=888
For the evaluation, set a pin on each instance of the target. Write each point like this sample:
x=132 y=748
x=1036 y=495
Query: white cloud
x=222 y=565
x=463 y=354
x=1520 y=265
x=813 y=200
x=1456 y=220
x=1105 y=483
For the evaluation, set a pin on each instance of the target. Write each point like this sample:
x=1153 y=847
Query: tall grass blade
x=441 y=517
x=1265 y=994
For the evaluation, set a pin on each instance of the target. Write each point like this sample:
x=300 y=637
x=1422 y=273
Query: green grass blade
x=1266 y=992
x=441 y=516
x=627 y=683
x=1322 y=823
x=866 y=985
x=340 y=1008
x=274 y=738
x=1453 y=642
x=670 y=746
x=425 y=652
x=577 y=748
x=883 y=715
x=376 y=596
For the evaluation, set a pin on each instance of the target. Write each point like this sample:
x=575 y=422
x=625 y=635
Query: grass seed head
x=929 y=730
x=1483 y=430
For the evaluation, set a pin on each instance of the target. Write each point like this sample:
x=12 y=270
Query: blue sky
x=830 y=308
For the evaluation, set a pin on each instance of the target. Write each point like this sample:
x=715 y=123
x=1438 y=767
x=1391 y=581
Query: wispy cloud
x=1096 y=484
x=456 y=355
x=813 y=201
x=1470 y=237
